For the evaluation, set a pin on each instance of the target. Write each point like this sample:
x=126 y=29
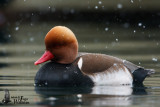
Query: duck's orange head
x=61 y=46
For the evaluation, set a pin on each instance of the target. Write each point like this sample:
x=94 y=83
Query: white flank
x=80 y=62
x=120 y=75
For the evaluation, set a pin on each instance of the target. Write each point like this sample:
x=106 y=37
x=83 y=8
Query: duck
x=66 y=67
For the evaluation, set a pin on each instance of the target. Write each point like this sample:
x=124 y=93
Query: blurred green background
x=91 y=20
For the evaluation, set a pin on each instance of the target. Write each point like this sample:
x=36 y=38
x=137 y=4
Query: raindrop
x=116 y=40
x=119 y=6
x=106 y=29
x=154 y=59
x=79 y=95
x=139 y=24
x=49 y=7
x=134 y=31
x=115 y=64
x=149 y=35
x=139 y=63
x=31 y=24
x=67 y=67
x=106 y=47
x=96 y=7
x=31 y=39
x=131 y=1
x=9 y=35
x=79 y=100
x=24 y=0
x=113 y=33
x=126 y=25
x=52 y=98
x=75 y=72
x=46 y=83
x=144 y=27
x=100 y=2
x=53 y=9
x=72 y=11
x=124 y=61
x=157 y=44
x=34 y=52
x=17 y=28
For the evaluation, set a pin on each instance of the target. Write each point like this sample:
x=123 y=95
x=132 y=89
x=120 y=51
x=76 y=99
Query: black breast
x=61 y=75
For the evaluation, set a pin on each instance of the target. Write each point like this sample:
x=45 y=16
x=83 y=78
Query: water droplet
x=79 y=100
x=139 y=24
x=72 y=11
x=49 y=7
x=96 y=7
x=157 y=43
x=131 y=1
x=134 y=31
x=139 y=63
x=46 y=83
x=124 y=61
x=144 y=26
x=116 y=40
x=31 y=24
x=119 y=6
x=52 y=98
x=100 y=2
x=67 y=67
x=75 y=72
x=34 y=52
x=114 y=64
x=9 y=35
x=113 y=33
x=79 y=95
x=17 y=28
x=126 y=25
x=154 y=59
x=31 y=39
x=106 y=29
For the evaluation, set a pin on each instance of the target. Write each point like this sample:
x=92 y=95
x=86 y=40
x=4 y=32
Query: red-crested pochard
x=71 y=68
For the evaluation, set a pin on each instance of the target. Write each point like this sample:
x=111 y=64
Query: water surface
x=17 y=70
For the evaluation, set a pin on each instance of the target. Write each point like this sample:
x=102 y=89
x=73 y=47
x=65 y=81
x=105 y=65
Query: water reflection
x=96 y=96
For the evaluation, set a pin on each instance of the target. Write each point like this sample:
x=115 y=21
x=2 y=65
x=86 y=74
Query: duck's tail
x=140 y=74
x=150 y=71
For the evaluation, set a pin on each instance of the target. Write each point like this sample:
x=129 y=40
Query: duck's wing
x=93 y=63
x=104 y=69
